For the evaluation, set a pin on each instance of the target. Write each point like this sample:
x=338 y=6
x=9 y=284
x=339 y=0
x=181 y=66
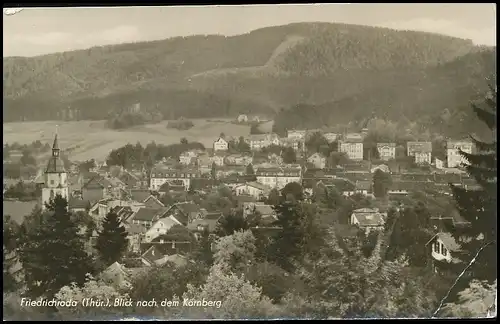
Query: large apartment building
x=278 y=177
x=162 y=174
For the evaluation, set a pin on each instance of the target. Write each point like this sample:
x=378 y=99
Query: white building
x=452 y=152
x=220 y=144
x=242 y=118
x=188 y=157
x=161 y=174
x=55 y=177
x=439 y=163
x=278 y=177
x=421 y=151
x=254 y=189
x=443 y=245
x=160 y=227
x=296 y=134
x=289 y=142
x=260 y=141
x=238 y=159
x=353 y=147
x=386 y=151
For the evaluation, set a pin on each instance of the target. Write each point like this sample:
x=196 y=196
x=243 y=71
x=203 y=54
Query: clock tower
x=55 y=177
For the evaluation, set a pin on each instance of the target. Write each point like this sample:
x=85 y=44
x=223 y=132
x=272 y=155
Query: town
x=168 y=208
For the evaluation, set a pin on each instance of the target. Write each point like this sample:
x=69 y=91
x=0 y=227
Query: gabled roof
x=257 y=185
x=149 y=214
x=168 y=222
x=210 y=224
x=188 y=207
x=152 y=254
x=151 y=197
x=139 y=195
x=95 y=182
x=448 y=240
x=78 y=203
x=213 y=215
x=419 y=147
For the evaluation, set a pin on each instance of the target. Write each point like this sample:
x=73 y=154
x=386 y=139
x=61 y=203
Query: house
x=160 y=227
x=153 y=202
x=274 y=158
x=78 y=205
x=421 y=151
x=117 y=276
x=220 y=145
x=331 y=137
x=352 y=147
x=200 y=225
x=318 y=160
x=238 y=159
x=444 y=246
x=94 y=189
x=290 y=142
x=152 y=256
x=186 y=158
x=254 y=189
x=260 y=141
x=453 y=156
x=171 y=187
x=386 y=151
x=368 y=219
x=185 y=212
x=265 y=211
x=363 y=187
x=227 y=170
x=278 y=177
x=148 y=216
x=296 y=134
x=242 y=118
x=162 y=174
x=139 y=195
x=123 y=213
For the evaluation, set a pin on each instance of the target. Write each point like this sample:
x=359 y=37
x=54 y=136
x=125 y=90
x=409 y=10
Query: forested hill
x=260 y=72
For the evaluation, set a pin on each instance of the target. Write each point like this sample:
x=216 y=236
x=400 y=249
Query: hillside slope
x=208 y=76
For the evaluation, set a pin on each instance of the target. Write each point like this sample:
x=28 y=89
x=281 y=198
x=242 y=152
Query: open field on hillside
x=92 y=139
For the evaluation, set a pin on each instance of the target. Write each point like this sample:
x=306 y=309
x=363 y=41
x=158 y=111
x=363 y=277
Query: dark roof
x=133 y=229
x=95 y=183
x=152 y=254
x=139 y=195
x=210 y=224
x=55 y=165
x=180 y=247
x=78 y=203
x=419 y=147
x=154 y=199
x=448 y=240
x=149 y=214
x=188 y=207
x=213 y=215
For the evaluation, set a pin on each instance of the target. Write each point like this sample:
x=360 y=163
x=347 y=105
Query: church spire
x=55 y=164
x=55 y=146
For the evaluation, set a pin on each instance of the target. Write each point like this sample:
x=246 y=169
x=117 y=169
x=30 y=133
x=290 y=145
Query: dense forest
x=339 y=68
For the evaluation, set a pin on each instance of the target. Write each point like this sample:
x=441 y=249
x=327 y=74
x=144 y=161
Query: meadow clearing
x=83 y=140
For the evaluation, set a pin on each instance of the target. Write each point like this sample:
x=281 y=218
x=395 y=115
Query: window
x=51 y=182
x=445 y=251
x=436 y=247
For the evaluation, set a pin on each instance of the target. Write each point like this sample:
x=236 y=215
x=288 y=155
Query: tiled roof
x=78 y=203
x=148 y=214
x=210 y=224
x=140 y=195
x=152 y=254
x=448 y=240
x=188 y=207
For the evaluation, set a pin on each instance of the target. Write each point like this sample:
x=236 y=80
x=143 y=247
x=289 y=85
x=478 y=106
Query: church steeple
x=55 y=147
x=55 y=164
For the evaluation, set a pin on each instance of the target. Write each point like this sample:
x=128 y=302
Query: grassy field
x=18 y=209
x=92 y=139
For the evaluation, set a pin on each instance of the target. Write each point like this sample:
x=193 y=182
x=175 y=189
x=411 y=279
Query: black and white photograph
x=250 y=162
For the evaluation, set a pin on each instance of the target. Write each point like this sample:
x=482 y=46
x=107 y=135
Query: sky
x=38 y=31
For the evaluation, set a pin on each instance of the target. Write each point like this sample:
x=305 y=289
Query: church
x=55 y=177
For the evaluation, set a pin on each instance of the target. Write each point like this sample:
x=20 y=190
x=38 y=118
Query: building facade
x=386 y=151
x=221 y=145
x=278 y=177
x=421 y=151
x=353 y=148
x=296 y=134
x=56 y=178
x=162 y=174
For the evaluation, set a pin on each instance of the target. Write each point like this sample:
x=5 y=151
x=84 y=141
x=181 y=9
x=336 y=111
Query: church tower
x=55 y=177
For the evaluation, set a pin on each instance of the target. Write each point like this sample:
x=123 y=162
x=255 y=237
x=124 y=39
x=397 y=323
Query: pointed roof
x=55 y=164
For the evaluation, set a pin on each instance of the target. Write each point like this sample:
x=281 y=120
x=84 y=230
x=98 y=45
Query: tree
x=235 y=251
x=250 y=172
x=203 y=252
x=478 y=207
x=112 y=241
x=184 y=141
x=95 y=290
x=293 y=189
x=243 y=146
x=213 y=171
x=27 y=158
x=11 y=232
x=222 y=135
x=54 y=245
x=289 y=155
x=381 y=183
x=274 y=197
x=478 y=300
x=231 y=223
x=337 y=158
x=315 y=142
